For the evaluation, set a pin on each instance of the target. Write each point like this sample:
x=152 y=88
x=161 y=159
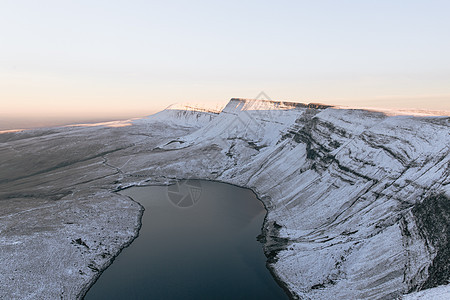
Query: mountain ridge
x=325 y=139
x=350 y=194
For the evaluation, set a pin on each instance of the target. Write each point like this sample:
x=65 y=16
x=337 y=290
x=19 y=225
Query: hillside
x=358 y=200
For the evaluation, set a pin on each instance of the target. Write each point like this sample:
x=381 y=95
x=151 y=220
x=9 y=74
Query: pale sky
x=92 y=60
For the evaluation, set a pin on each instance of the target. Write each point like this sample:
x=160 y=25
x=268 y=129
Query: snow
x=340 y=182
x=437 y=293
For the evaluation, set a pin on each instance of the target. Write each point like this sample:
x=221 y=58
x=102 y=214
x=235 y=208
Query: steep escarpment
x=357 y=200
x=339 y=185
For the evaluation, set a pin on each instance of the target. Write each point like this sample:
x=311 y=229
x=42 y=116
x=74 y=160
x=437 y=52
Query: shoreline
x=265 y=231
x=85 y=290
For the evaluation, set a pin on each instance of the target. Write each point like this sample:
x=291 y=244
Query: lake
x=197 y=241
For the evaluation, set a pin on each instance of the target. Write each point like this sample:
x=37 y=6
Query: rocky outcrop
x=432 y=218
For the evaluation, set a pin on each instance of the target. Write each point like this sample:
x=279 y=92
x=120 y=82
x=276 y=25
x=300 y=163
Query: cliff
x=358 y=200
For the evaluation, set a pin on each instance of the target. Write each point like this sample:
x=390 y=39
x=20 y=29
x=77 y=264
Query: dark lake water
x=197 y=241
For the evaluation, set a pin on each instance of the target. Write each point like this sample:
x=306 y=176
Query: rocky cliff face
x=358 y=201
x=432 y=220
x=342 y=187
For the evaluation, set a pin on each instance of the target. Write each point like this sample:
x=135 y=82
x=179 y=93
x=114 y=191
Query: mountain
x=358 y=200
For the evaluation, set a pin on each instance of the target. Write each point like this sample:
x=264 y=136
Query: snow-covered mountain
x=349 y=193
x=190 y=115
x=358 y=201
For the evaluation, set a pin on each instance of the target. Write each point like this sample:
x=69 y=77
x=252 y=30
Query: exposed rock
x=432 y=217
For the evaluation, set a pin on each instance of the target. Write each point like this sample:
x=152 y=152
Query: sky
x=70 y=61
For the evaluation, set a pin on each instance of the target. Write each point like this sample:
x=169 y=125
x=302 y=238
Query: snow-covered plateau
x=358 y=200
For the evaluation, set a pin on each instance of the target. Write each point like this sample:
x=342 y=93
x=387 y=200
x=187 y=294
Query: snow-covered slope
x=190 y=115
x=437 y=293
x=259 y=121
x=358 y=201
x=342 y=187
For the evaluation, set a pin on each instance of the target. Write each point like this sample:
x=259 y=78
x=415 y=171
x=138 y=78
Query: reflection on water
x=204 y=250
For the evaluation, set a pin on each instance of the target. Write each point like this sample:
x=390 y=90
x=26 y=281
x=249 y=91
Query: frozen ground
x=437 y=293
x=358 y=200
